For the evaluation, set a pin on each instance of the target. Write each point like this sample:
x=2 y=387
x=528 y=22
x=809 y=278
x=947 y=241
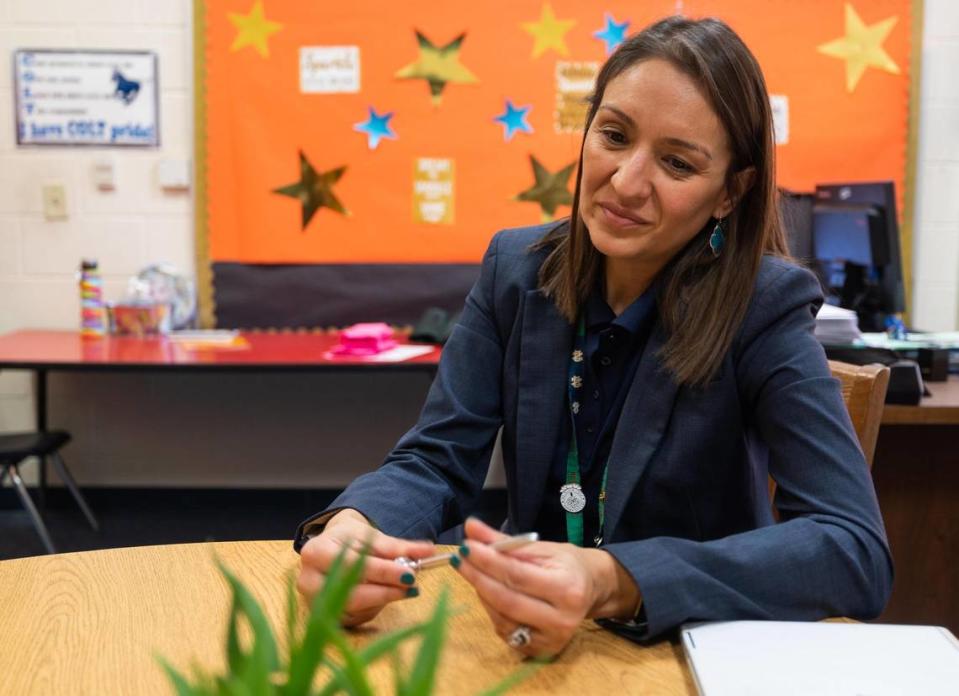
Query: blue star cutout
x=376 y=127
x=513 y=120
x=613 y=34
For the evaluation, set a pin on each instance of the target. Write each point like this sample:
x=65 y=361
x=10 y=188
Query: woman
x=649 y=361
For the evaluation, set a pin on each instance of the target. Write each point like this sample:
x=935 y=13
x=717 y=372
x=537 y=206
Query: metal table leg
x=41 y=415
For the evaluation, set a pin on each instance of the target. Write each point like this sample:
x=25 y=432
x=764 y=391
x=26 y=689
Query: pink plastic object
x=364 y=339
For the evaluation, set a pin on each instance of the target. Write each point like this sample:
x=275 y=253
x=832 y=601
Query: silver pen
x=443 y=559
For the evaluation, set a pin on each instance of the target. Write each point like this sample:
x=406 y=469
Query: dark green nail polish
x=464 y=550
x=413 y=592
x=455 y=561
x=407 y=578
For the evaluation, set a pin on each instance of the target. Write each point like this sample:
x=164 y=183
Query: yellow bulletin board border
x=206 y=310
x=912 y=150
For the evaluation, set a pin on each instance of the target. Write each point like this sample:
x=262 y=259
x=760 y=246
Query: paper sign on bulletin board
x=356 y=159
x=86 y=98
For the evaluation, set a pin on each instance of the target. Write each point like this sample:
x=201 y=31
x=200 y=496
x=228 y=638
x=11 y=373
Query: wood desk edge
x=146 y=601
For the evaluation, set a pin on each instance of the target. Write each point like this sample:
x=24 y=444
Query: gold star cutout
x=314 y=190
x=549 y=190
x=549 y=32
x=438 y=66
x=861 y=47
x=253 y=29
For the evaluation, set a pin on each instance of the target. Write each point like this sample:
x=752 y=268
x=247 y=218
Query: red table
x=67 y=350
x=42 y=351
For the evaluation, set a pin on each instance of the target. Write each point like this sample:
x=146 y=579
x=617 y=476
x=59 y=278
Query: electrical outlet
x=55 y=202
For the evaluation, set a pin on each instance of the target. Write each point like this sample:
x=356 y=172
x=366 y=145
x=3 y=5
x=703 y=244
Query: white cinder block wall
x=270 y=430
x=125 y=228
x=935 y=299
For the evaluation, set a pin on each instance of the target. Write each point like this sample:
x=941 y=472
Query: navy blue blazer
x=687 y=514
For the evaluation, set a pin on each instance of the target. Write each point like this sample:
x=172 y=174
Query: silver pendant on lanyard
x=572 y=498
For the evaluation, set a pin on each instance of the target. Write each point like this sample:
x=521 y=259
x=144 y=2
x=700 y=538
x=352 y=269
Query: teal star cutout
x=314 y=190
x=513 y=120
x=376 y=127
x=549 y=189
x=613 y=34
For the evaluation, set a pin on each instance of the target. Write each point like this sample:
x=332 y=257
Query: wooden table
x=93 y=622
x=916 y=472
x=42 y=351
x=941 y=407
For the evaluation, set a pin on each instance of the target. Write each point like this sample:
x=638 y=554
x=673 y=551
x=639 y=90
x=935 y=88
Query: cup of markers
x=92 y=311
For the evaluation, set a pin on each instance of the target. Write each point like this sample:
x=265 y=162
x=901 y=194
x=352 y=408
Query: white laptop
x=746 y=658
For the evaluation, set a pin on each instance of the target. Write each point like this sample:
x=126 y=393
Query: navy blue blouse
x=614 y=346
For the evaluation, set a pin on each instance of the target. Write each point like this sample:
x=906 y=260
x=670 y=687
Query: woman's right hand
x=384 y=580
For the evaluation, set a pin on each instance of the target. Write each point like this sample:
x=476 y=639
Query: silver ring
x=520 y=637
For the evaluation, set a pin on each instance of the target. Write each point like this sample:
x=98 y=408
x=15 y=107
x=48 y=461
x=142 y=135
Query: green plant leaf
x=233 y=685
x=203 y=681
x=307 y=654
x=256 y=666
x=330 y=601
x=396 y=659
x=389 y=643
x=180 y=683
x=353 y=669
x=423 y=674
x=320 y=640
x=386 y=645
x=236 y=659
x=334 y=596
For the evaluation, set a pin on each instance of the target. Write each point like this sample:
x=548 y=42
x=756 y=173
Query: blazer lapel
x=641 y=426
x=545 y=346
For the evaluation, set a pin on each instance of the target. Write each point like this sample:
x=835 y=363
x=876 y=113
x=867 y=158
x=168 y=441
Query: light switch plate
x=55 y=202
x=104 y=174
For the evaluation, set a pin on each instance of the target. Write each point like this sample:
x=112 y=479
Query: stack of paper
x=756 y=658
x=209 y=339
x=226 y=336
x=946 y=339
x=837 y=326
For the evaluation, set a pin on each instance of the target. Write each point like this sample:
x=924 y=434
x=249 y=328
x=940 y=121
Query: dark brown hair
x=702 y=299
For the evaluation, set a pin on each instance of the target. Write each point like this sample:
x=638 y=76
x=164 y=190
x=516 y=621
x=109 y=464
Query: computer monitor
x=855 y=239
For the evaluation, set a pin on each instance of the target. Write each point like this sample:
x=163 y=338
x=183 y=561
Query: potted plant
x=319 y=660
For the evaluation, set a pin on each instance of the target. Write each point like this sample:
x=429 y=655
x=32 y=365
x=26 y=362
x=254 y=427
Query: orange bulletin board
x=403 y=135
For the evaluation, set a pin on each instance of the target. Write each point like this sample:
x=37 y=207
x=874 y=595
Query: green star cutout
x=314 y=190
x=437 y=66
x=549 y=190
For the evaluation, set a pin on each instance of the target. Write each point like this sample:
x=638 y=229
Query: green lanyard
x=571 y=495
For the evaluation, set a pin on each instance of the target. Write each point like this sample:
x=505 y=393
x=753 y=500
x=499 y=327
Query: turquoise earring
x=717 y=239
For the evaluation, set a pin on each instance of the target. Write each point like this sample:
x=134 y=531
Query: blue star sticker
x=513 y=120
x=613 y=34
x=376 y=127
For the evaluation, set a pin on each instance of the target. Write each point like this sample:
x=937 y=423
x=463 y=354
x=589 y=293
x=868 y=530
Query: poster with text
x=106 y=98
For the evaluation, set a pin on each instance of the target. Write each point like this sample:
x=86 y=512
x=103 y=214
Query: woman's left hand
x=546 y=586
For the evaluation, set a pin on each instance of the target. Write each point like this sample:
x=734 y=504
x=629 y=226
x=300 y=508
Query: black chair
x=14 y=448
